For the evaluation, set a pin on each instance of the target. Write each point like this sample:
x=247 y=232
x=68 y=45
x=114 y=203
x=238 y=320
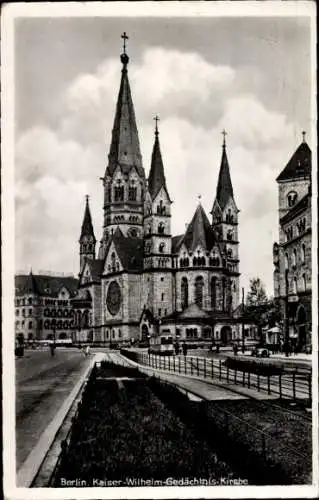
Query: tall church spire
x=87 y=226
x=156 y=178
x=224 y=185
x=125 y=146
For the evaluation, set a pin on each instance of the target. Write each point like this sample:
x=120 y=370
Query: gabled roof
x=44 y=285
x=129 y=250
x=193 y=311
x=199 y=232
x=87 y=226
x=224 y=185
x=156 y=179
x=125 y=146
x=297 y=209
x=299 y=164
x=176 y=243
x=96 y=268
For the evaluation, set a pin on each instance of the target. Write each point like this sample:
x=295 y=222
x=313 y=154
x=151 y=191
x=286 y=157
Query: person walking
x=184 y=347
x=52 y=349
x=87 y=350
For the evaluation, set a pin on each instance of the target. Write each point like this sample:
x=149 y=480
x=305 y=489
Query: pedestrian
x=176 y=348
x=87 y=350
x=235 y=349
x=184 y=347
x=52 y=349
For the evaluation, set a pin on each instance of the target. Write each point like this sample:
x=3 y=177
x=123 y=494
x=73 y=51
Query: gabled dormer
x=113 y=262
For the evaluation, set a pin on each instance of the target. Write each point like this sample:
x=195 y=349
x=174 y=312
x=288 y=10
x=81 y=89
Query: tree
x=256 y=295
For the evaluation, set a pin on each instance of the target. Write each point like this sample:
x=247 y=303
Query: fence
x=289 y=385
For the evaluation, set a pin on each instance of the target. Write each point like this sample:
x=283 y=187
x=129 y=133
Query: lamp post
x=243 y=322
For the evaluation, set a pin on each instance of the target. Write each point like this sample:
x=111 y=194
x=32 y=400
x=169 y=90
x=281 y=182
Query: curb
x=33 y=462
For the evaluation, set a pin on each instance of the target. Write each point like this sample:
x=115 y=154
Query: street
x=42 y=385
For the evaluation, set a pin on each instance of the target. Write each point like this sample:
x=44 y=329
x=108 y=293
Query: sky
x=250 y=76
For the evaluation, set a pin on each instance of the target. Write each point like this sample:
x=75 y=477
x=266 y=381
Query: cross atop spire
x=124 y=37
x=303 y=136
x=87 y=197
x=224 y=133
x=156 y=119
x=124 y=57
x=199 y=197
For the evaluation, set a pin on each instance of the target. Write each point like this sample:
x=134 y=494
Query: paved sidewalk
x=199 y=386
x=31 y=465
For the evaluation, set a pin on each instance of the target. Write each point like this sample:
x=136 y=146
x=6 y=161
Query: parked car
x=260 y=352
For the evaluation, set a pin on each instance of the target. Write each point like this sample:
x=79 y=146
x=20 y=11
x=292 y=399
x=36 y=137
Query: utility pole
x=243 y=321
x=286 y=321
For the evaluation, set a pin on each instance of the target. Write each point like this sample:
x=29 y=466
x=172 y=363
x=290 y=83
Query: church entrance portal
x=301 y=328
x=225 y=334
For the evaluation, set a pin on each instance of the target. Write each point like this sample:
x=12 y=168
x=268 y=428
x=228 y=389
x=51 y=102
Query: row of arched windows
x=200 y=262
x=198 y=292
x=87 y=247
x=294 y=257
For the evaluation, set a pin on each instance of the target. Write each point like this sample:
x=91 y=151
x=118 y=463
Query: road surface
x=42 y=385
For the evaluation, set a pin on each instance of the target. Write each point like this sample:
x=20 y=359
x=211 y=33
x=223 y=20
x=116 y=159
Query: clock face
x=114 y=298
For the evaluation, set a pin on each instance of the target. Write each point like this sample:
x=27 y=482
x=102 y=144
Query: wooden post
x=258 y=382
x=174 y=362
x=204 y=367
x=280 y=388
x=220 y=369
x=212 y=368
x=227 y=374
x=248 y=380
x=185 y=365
x=191 y=362
x=197 y=363
x=169 y=363
x=268 y=384
x=235 y=376
x=179 y=364
x=244 y=379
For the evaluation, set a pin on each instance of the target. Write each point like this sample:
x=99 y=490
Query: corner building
x=292 y=255
x=143 y=281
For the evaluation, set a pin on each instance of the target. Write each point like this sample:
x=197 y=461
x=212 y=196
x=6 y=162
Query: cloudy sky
x=250 y=76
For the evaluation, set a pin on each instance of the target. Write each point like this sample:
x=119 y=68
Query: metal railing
x=291 y=385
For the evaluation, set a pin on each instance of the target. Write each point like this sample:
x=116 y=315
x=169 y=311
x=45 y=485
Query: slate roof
x=156 y=178
x=129 y=250
x=224 y=185
x=199 y=231
x=298 y=208
x=44 y=285
x=299 y=164
x=125 y=146
x=96 y=268
x=87 y=226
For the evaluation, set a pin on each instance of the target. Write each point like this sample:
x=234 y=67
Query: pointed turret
x=156 y=179
x=299 y=165
x=87 y=239
x=199 y=231
x=224 y=185
x=125 y=146
x=87 y=226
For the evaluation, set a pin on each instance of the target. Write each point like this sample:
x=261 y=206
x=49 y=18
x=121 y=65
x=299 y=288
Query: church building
x=142 y=280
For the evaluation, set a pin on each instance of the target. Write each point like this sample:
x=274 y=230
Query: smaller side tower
x=225 y=222
x=87 y=239
x=157 y=238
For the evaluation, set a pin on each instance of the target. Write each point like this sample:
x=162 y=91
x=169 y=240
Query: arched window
x=213 y=292
x=229 y=253
x=203 y=261
x=161 y=247
x=186 y=264
x=224 y=293
x=160 y=228
x=229 y=234
x=199 y=285
x=304 y=282
x=291 y=198
x=294 y=285
x=286 y=261
x=184 y=293
x=30 y=324
x=119 y=193
x=132 y=193
x=303 y=253
x=294 y=258
x=194 y=261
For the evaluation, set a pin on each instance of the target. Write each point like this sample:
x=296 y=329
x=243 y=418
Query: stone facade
x=144 y=280
x=292 y=256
